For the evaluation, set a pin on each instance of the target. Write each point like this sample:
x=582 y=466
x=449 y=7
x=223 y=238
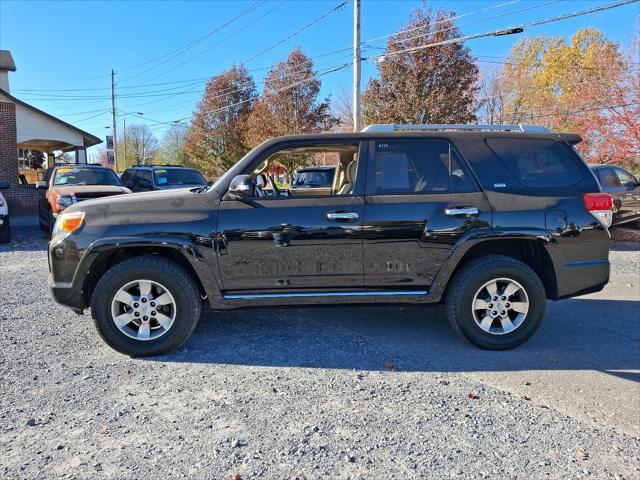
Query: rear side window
x=608 y=178
x=626 y=179
x=537 y=163
x=414 y=167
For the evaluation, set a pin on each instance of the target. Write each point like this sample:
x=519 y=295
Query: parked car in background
x=624 y=187
x=144 y=178
x=5 y=226
x=491 y=220
x=66 y=184
x=313 y=179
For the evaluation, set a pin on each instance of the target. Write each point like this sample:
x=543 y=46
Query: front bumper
x=65 y=294
x=66 y=278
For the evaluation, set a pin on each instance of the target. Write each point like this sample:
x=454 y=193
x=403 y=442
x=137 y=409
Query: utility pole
x=356 y=65
x=113 y=118
x=124 y=139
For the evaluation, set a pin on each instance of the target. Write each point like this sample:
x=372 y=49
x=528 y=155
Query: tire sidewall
x=186 y=312
x=537 y=306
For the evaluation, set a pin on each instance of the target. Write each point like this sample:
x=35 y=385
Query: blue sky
x=63 y=49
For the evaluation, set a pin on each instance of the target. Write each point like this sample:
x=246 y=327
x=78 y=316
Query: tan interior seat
x=349 y=178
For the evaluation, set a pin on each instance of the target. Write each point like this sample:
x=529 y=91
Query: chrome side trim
x=323 y=294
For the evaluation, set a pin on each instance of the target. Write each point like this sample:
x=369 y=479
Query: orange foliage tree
x=216 y=137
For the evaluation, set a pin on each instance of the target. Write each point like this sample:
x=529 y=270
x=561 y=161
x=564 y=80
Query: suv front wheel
x=496 y=302
x=146 y=306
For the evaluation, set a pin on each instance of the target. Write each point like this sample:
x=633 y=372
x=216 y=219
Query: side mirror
x=144 y=183
x=41 y=185
x=4 y=184
x=241 y=188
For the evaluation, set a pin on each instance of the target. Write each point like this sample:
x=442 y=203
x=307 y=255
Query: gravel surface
x=368 y=392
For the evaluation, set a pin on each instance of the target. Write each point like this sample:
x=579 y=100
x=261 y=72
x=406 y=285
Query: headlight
x=66 y=224
x=64 y=202
x=1 y=202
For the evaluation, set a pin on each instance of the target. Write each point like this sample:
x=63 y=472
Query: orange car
x=64 y=185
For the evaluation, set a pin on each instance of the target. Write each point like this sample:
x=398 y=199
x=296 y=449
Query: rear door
x=420 y=200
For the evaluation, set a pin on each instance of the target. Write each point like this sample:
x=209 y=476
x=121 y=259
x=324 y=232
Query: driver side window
x=308 y=171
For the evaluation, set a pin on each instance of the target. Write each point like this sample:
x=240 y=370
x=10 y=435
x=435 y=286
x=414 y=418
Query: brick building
x=24 y=127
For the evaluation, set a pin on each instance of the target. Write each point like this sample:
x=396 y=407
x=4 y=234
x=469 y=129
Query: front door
x=420 y=200
x=287 y=240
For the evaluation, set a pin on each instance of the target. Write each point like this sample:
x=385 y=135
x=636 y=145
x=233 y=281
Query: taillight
x=600 y=205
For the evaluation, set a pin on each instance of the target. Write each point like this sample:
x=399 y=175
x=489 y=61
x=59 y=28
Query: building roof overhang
x=88 y=139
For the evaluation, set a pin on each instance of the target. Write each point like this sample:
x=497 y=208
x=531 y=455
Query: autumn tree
x=289 y=104
x=431 y=85
x=216 y=137
x=587 y=86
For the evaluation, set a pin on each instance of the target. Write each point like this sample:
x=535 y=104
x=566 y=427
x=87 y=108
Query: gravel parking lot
x=357 y=392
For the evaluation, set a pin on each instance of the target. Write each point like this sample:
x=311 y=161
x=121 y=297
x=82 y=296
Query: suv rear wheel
x=146 y=306
x=496 y=302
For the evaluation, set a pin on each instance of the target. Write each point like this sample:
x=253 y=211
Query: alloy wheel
x=143 y=310
x=500 y=306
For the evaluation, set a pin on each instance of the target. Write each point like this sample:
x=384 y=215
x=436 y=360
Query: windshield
x=178 y=176
x=85 y=176
x=314 y=178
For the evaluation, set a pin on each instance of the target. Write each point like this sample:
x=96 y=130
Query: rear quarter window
x=537 y=163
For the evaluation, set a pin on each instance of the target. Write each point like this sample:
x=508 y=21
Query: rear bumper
x=580 y=278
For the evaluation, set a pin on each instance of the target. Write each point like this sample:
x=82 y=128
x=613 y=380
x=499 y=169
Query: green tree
x=172 y=149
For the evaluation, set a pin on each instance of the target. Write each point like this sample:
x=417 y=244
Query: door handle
x=461 y=211
x=346 y=216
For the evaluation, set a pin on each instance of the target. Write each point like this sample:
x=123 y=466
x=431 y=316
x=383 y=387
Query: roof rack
x=153 y=165
x=466 y=127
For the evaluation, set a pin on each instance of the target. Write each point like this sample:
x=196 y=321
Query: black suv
x=144 y=178
x=492 y=221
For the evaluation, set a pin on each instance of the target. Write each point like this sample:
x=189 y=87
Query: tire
x=165 y=275
x=480 y=327
x=5 y=231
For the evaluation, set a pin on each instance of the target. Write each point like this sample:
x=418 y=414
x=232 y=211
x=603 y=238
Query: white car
x=5 y=228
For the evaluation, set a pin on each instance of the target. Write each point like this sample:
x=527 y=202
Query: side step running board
x=324 y=294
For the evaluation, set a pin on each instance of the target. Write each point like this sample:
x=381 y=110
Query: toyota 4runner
x=490 y=220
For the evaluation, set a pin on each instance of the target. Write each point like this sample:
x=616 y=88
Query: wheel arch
x=108 y=256
x=533 y=251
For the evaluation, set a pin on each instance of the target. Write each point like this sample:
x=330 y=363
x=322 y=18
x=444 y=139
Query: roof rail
x=466 y=127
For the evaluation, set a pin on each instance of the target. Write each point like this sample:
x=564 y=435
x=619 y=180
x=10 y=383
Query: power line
x=220 y=42
x=222 y=92
x=458 y=27
x=507 y=30
x=315 y=21
x=457 y=17
x=197 y=41
x=297 y=32
x=257 y=97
